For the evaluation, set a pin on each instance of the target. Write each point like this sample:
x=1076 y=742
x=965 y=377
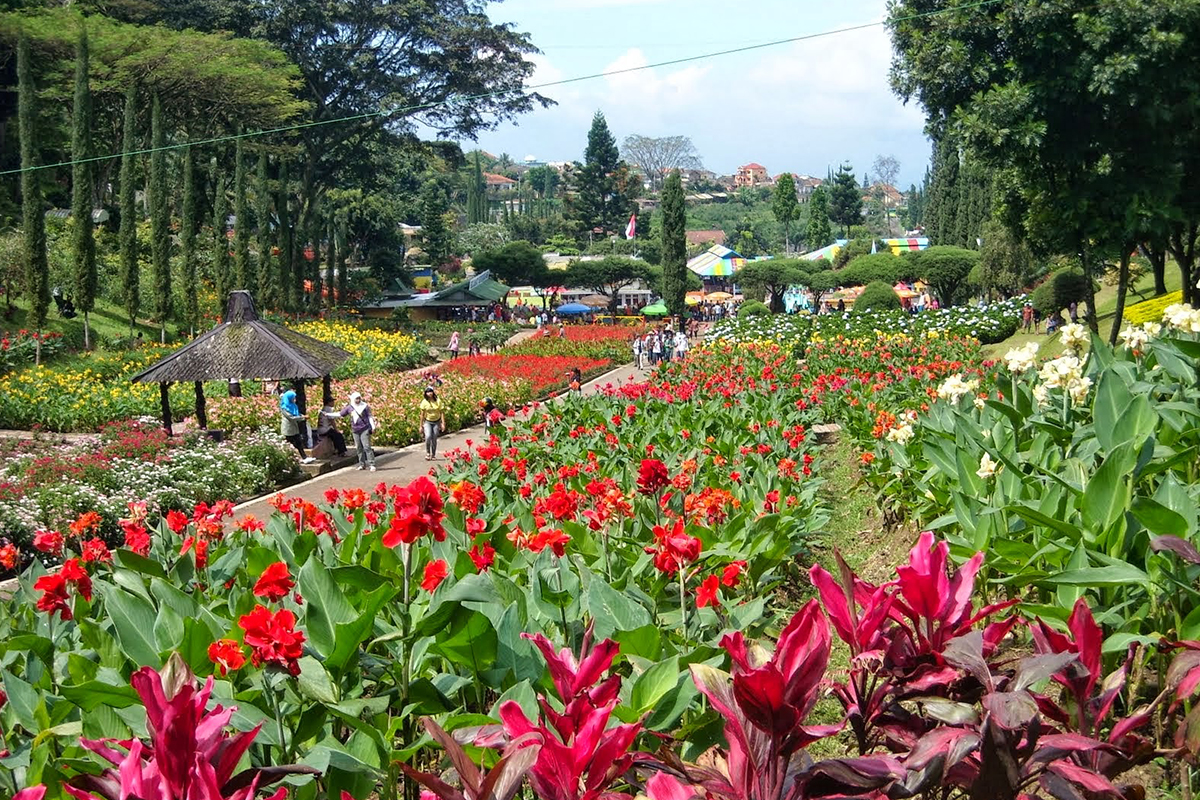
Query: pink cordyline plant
x=190 y=755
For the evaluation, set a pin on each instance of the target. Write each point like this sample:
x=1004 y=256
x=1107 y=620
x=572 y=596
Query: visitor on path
x=327 y=429
x=491 y=414
x=637 y=351
x=575 y=383
x=681 y=345
x=1074 y=310
x=454 y=345
x=433 y=421
x=289 y=424
x=362 y=425
x=562 y=330
x=1027 y=317
x=656 y=349
x=472 y=343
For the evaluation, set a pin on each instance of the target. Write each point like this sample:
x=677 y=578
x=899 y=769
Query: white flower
x=1182 y=317
x=1058 y=373
x=1021 y=359
x=979 y=403
x=955 y=387
x=987 y=467
x=1078 y=389
x=1039 y=394
x=1134 y=338
x=901 y=434
x=1074 y=336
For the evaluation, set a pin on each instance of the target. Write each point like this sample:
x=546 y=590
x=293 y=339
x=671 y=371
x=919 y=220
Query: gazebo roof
x=245 y=347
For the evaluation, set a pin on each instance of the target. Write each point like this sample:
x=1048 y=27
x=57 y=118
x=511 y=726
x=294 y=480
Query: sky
x=800 y=107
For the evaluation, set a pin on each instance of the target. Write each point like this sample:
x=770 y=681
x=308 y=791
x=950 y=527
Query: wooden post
x=327 y=390
x=235 y=388
x=201 y=417
x=302 y=404
x=165 y=398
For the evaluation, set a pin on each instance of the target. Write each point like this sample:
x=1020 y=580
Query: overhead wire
x=411 y=109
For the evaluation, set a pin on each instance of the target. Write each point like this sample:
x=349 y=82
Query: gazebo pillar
x=201 y=416
x=164 y=397
x=302 y=404
x=327 y=390
x=235 y=388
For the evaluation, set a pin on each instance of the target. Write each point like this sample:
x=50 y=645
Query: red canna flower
x=87 y=522
x=137 y=538
x=418 y=511
x=331 y=496
x=435 y=572
x=475 y=526
x=177 y=521
x=201 y=547
x=226 y=655
x=653 y=476
x=95 y=551
x=483 y=559
x=48 y=542
x=732 y=574
x=708 y=592
x=771 y=501
x=250 y=523
x=467 y=496
x=9 y=555
x=77 y=577
x=275 y=583
x=54 y=595
x=673 y=548
x=274 y=638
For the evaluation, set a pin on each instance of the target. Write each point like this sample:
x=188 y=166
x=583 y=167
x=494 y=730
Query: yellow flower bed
x=1151 y=310
x=373 y=350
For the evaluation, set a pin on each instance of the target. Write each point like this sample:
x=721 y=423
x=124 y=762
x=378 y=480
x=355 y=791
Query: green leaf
x=23 y=699
x=314 y=681
x=1107 y=493
x=91 y=694
x=1111 y=575
x=133 y=620
x=140 y=564
x=325 y=605
x=613 y=611
x=655 y=682
x=1112 y=399
x=1158 y=519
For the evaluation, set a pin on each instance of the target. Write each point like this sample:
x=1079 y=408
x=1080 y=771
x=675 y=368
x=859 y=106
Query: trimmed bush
x=753 y=308
x=878 y=296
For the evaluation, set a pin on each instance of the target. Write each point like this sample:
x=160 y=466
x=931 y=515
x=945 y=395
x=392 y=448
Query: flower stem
x=683 y=599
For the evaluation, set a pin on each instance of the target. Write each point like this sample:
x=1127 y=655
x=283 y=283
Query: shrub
x=873 y=267
x=753 y=308
x=878 y=296
x=1062 y=288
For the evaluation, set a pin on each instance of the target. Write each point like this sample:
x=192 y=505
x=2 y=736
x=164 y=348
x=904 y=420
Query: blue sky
x=800 y=107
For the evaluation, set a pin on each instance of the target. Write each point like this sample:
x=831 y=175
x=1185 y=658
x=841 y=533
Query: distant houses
x=751 y=175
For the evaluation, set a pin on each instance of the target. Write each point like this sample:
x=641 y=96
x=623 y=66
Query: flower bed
x=1151 y=310
x=612 y=342
x=17 y=349
x=372 y=350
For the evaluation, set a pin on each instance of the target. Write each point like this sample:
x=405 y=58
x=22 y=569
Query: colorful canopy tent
x=718 y=297
x=693 y=298
x=655 y=310
x=716 y=262
x=828 y=253
x=570 y=309
x=899 y=246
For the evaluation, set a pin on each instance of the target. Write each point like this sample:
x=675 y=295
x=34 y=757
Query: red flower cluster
x=435 y=572
x=226 y=655
x=87 y=522
x=48 y=542
x=95 y=550
x=9 y=555
x=467 y=496
x=673 y=549
x=653 y=476
x=275 y=583
x=54 y=588
x=274 y=638
x=418 y=512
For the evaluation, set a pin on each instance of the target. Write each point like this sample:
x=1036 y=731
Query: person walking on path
x=656 y=348
x=362 y=425
x=454 y=345
x=289 y=424
x=1027 y=317
x=637 y=351
x=681 y=345
x=433 y=421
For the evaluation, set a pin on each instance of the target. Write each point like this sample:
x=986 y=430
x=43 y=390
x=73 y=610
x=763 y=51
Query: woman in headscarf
x=362 y=425
x=433 y=421
x=289 y=424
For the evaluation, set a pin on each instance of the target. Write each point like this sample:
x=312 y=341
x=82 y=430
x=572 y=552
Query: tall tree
x=819 y=232
x=657 y=156
x=845 y=199
x=330 y=260
x=84 y=240
x=604 y=191
x=607 y=277
x=241 y=219
x=290 y=286
x=160 y=218
x=187 y=242
x=266 y=277
x=786 y=207
x=131 y=296
x=343 y=264
x=476 y=212
x=674 y=244
x=887 y=170
x=220 y=243
x=37 y=267
x=433 y=224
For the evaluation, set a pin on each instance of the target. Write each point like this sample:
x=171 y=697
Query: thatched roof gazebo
x=244 y=347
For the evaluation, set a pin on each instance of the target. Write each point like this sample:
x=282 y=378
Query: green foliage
x=819 y=232
x=84 y=242
x=674 y=245
x=266 y=278
x=877 y=296
x=845 y=199
x=434 y=233
x=608 y=276
x=770 y=278
x=220 y=241
x=883 y=266
x=1063 y=287
x=946 y=270
x=1005 y=261
x=330 y=258
x=476 y=199
x=480 y=237
x=187 y=242
x=37 y=268
x=514 y=264
x=160 y=217
x=753 y=308
x=241 y=219
x=127 y=235
x=853 y=249
x=604 y=187
x=785 y=206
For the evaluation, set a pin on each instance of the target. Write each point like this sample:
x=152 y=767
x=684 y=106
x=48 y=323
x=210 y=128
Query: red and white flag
x=631 y=228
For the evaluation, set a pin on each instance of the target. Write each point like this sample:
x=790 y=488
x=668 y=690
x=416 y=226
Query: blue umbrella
x=573 y=308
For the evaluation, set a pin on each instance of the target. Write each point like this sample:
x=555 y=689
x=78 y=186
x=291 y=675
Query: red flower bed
x=542 y=372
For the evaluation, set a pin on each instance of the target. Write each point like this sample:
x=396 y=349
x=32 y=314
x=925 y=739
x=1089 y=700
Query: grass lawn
x=108 y=321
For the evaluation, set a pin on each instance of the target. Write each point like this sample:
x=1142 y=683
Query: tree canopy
x=845 y=199
x=607 y=276
x=516 y=264
x=656 y=157
x=770 y=278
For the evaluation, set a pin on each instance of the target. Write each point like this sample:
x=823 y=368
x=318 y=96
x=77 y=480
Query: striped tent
x=899 y=246
x=716 y=262
x=828 y=253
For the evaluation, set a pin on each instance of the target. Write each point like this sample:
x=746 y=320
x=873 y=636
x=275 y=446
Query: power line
x=488 y=95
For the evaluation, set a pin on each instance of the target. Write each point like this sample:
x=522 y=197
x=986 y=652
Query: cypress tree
x=330 y=261
x=819 y=232
x=241 y=221
x=37 y=267
x=476 y=210
x=343 y=264
x=160 y=219
x=81 y=190
x=286 y=233
x=220 y=239
x=674 y=244
x=268 y=285
x=316 y=223
x=131 y=296
x=187 y=241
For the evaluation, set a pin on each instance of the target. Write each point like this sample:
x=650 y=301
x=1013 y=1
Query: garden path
x=407 y=463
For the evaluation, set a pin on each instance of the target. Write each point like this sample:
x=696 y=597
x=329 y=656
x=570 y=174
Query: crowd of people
x=659 y=346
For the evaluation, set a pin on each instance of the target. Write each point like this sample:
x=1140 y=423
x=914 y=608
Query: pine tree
x=84 y=240
x=220 y=239
x=316 y=225
x=845 y=199
x=266 y=278
x=674 y=244
x=287 y=242
x=37 y=267
x=786 y=207
x=475 y=195
x=241 y=220
x=948 y=194
x=131 y=296
x=187 y=242
x=602 y=199
x=160 y=218
x=343 y=264
x=330 y=261
x=433 y=224
x=819 y=232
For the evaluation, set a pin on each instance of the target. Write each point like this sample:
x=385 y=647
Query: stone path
x=407 y=463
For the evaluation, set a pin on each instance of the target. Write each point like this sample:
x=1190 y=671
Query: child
x=491 y=414
x=576 y=384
